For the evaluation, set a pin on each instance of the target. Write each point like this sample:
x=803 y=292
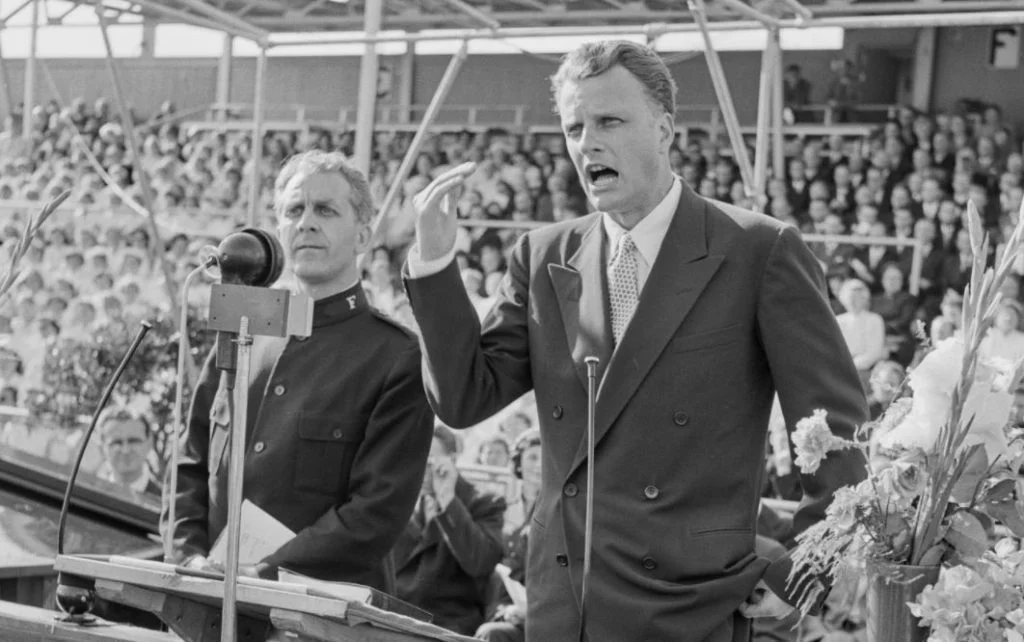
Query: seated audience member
x=951 y=309
x=863 y=330
x=869 y=260
x=445 y=556
x=885 y=383
x=509 y=620
x=897 y=308
x=473 y=280
x=1004 y=339
x=956 y=268
x=494 y=452
x=126 y=441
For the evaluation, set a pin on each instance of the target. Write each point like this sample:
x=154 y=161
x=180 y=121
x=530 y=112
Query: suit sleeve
x=473 y=533
x=469 y=375
x=384 y=483
x=811 y=368
x=191 y=534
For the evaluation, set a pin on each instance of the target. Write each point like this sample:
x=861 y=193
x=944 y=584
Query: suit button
x=336 y=433
x=557 y=412
x=259 y=446
x=279 y=390
x=651 y=492
x=570 y=490
x=563 y=560
x=301 y=338
x=649 y=563
x=680 y=419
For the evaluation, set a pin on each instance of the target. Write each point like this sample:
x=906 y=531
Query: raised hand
x=435 y=212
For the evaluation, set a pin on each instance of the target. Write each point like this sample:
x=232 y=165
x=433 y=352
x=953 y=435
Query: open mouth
x=601 y=175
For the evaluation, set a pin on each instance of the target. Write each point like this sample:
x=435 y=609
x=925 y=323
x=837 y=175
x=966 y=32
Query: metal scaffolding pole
x=778 y=140
x=893 y=21
x=5 y=85
x=256 y=151
x=224 y=69
x=421 y=132
x=30 y=76
x=764 y=111
x=367 y=105
x=140 y=175
x=732 y=123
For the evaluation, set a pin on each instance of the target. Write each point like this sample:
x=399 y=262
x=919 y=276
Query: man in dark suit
x=698 y=312
x=448 y=550
x=338 y=426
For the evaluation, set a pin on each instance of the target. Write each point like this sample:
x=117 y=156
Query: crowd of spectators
x=97 y=264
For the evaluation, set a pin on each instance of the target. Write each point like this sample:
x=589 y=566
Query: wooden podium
x=190 y=606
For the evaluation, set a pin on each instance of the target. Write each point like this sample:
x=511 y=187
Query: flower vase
x=890 y=588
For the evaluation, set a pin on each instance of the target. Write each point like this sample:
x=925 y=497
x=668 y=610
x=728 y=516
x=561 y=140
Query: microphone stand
x=238 y=395
x=588 y=528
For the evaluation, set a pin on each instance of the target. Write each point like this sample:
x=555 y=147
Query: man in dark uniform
x=339 y=428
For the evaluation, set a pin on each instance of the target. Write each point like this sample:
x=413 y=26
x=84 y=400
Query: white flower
x=812 y=441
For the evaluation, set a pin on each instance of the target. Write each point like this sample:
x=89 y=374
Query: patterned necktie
x=623 y=290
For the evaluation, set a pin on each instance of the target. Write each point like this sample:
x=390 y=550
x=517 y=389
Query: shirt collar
x=650 y=231
x=338 y=307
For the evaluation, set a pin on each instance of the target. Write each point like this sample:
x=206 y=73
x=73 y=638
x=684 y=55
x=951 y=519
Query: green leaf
x=933 y=556
x=967 y=535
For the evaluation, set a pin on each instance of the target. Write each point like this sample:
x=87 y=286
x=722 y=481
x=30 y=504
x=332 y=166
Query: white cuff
x=418 y=268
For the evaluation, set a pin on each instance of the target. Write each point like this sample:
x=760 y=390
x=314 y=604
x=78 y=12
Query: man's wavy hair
x=319 y=162
x=594 y=58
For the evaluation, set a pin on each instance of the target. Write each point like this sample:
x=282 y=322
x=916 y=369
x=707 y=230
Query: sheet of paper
x=515 y=589
x=261 y=535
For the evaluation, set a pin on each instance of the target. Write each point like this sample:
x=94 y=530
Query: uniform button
x=570 y=490
x=278 y=390
x=336 y=433
x=557 y=412
x=563 y=560
x=651 y=492
x=649 y=563
x=259 y=446
x=680 y=419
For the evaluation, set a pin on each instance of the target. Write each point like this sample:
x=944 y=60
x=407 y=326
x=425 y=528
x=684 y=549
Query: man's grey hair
x=594 y=58
x=319 y=162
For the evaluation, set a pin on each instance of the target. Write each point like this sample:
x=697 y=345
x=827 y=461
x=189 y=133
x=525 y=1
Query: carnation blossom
x=813 y=440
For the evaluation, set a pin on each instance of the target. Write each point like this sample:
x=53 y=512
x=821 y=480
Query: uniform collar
x=339 y=307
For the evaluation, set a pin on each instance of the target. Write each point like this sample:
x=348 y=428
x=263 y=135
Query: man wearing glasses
x=126 y=440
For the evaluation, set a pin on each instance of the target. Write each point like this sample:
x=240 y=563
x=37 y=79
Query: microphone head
x=250 y=257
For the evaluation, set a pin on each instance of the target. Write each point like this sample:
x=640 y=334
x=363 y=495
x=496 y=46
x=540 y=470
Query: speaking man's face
x=617 y=141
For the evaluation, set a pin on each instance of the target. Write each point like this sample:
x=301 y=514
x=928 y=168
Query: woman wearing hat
x=508 y=622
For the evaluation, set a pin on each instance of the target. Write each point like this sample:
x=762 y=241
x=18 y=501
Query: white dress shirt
x=647 y=235
x=865 y=336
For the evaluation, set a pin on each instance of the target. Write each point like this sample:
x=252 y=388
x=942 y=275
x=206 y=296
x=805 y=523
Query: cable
x=179 y=395
x=146 y=327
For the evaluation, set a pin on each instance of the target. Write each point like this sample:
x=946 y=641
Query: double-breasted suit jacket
x=733 y=310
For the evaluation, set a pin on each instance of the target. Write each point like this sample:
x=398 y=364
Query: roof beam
x=223 y=17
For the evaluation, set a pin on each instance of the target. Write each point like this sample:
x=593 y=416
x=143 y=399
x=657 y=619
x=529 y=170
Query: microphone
x=251 y=257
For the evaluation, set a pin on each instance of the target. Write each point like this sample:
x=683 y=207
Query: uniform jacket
x=443 y=566
x=734 y=308
x=336 y=445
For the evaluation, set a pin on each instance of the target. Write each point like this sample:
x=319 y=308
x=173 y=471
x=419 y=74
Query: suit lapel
x=679 y=275
x=582 y=299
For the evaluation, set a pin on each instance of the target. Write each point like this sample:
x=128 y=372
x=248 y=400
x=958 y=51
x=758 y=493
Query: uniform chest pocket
x=326 y=449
